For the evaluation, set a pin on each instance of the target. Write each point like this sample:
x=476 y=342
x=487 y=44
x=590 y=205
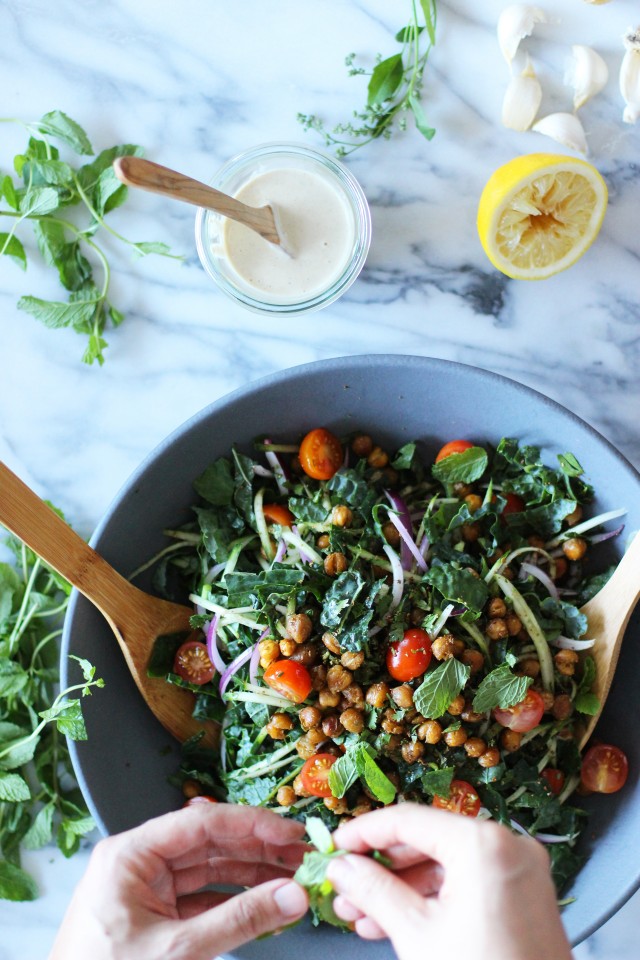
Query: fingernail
x=339 y=868
x=291 y=900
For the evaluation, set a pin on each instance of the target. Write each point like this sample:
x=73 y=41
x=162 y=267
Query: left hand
x=142 y=896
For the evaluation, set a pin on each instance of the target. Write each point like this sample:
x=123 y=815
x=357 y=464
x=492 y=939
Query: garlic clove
x=522 y=99
x=564 y=128
x=587 y=73
x=630 y=76
x=514 y=24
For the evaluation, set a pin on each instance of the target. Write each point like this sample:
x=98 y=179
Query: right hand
x=455 y=882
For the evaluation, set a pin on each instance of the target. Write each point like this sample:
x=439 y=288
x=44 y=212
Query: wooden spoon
x=135 y=617
x=608 y=614
x=136 y=172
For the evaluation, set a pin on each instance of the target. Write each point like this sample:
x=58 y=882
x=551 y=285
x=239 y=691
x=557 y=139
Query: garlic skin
x=514 y=24
x=630 y=76
x=522 y=99
x=587 y=73
x=564 y=128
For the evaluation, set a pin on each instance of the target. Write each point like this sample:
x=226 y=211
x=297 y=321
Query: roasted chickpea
x=269 y=651
x=298 y=788
x=391 y=725
x=299 y=627
x=328 y=698
x=286 y=796
x=497 y=629
x=558 y=568
x=461 y=490
x=338 y=678
x=510 y=740
x=446 y=646
x=455 y=738
x=473 y=501
x=331 y=643
x=353 y=696
x=473 y=659
x=191 y=788
x=315 y=736
x=309 y=717
x=287 y=646
x=352 y=720
x=390 y=533
x=475 y=746
x=318 y=676
x=562 y=707
x=323 y=541
x=496 y=608
x=412 y=751
x=566 y=661
x=490 y=758
x=574 y=517
x=331 y=725
x=378 y=458
x=352 y=659
x=276 y=733
x=335 y=563
x=304 y=747
x=514 y=624
x=456 y=706
x=430 y=731
x=469 y=715
x=306 y=653
x=470 y=532
x=547 y=699
x=341 y=516
x=575 y=548
x=530 y=668
x=337 y=806
x=363 y=805
x=402 y=696
x=535 y=541
x=362 y=445
x=376 y=695
x=282 y=720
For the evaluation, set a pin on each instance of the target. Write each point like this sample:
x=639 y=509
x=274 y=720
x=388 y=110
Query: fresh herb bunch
x=50 y=187
x=426 y=549
x=393 y=91
x=39 y=798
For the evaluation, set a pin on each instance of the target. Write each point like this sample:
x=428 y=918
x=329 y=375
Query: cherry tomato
x=604 y=769
x=454 y=446
x=409 y=657
x=192 y=663
x=314 y=775
x=462 y=799
x=514 y=504
x=278 y=513
x=554 y=779
x=522 y=716
x=288 y=678
x=320 y=454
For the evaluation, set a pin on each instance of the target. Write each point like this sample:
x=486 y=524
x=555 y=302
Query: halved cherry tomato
x=454 y=446
x=289 y=678
x=522 y=716
x=604 y=768
x=554 y=779
x=320 y=454
x=462 y=799
x=409 y=657
x=314 y=775
x=192 y=663
x=514 y=504
x=278 y=513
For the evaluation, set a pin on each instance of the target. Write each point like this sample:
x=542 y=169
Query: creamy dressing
x=316 y=223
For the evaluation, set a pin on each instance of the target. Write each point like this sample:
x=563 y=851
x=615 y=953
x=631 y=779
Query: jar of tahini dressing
x=322 y=217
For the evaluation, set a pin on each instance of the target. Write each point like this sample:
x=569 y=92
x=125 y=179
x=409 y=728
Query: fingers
x=242 y=917
x=233 y=872
x=376 y=892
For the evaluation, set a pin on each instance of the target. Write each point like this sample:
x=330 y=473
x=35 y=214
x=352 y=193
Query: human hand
x=454 y=883
x=141 y=895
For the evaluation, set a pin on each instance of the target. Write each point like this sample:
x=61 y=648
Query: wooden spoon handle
x=37 y=525
x=136 y=172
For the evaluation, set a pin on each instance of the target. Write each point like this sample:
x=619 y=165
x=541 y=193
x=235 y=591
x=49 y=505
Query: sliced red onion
x=278 y=470
x=305 y=558
x=568 y=643
x=442 y=619
x=544 y=578
x=424 y=547
x=212 y=645
x=213 y=572
x=601 y=537
x=402 y=523
x=234 y=666
x=254 y=662
x=261 y=471
x=552 y=838
x=398 y=576
x=280 y=552
x=519 y=828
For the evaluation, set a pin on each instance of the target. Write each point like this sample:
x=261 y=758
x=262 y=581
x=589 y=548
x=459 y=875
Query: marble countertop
x=198 y=82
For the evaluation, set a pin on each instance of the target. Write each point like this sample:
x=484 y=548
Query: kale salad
x=372 y=627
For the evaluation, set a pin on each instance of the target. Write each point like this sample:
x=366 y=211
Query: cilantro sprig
x=39 y=799
x=394 y=88
x=66 y=206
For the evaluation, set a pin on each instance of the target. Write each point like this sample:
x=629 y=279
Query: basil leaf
x=462 y=467
x=440 y=687
x=501 y=688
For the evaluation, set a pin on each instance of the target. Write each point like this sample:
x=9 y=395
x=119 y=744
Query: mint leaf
x=55 y=314
x=38 y=201
x=40 y=832
x=15 y=884
x=420 y=117
x=58 y=124
x=378 y=783
x=437 y=781
x=440 y=687
x=343 y=773
x=13 y=787
x=465 y=467
x=11 y=247
x=501 y=688
x=8 y=191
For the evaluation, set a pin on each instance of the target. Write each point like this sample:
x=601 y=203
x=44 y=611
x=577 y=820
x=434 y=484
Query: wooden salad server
x=135 y=617
x=608 y=614
x=136 y=172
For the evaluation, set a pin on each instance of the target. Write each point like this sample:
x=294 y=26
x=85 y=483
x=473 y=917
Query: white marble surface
x=198 y=81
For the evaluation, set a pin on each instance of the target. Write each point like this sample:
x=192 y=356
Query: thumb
x=245 y=916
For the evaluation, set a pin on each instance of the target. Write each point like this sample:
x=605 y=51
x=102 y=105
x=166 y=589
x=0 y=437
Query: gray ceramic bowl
x=123 y=767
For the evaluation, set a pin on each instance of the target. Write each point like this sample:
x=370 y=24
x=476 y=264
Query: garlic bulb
x=516 y=22
x=565 y=128
x=630 y=76
x=522 y=99
x=587 y=74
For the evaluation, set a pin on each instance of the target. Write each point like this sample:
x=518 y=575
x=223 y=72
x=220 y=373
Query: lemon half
x=539 y=213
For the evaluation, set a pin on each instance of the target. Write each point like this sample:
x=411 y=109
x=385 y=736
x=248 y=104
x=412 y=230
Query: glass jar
x=213 y=231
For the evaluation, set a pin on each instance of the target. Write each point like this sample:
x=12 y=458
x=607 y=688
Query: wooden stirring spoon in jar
x=135 y=617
